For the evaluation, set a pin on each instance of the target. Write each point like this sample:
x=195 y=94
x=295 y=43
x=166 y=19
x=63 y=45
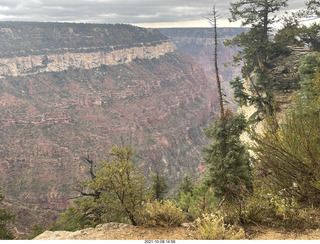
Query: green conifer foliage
x=261 y=15
x=186 y=186
x=227 y=157
x=257 y=50
x=307 y=71
x=158 y=185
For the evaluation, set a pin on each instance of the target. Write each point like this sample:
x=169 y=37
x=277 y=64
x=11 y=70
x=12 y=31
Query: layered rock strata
x=60 y=104
x=34 y=64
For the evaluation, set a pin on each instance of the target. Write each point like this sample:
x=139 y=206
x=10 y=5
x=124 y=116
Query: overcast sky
x=146 y=13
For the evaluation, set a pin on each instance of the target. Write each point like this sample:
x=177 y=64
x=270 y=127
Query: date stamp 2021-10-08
x=160 y=241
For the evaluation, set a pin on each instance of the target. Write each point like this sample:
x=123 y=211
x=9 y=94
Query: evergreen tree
x=257 y=50
x=6 y=218
x=295 y=33
x=158 y=185
x=186 y=186
x=227 y=158
x=120 y=178
x=260 y=15
x=307 y=71
x=314 y=6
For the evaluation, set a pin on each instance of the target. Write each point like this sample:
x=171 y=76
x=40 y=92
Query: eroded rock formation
x=72 y=90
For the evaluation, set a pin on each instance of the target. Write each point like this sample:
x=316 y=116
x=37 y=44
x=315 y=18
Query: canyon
x=69 y=91
x=199 y=42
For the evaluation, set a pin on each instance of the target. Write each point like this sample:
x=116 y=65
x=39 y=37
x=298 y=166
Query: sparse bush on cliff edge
x=163 y=213
x=212 y=227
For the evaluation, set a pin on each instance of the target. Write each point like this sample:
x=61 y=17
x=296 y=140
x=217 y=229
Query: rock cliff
x=34 y=64
x=285 y=81
x=199 y=42
x=72 y=90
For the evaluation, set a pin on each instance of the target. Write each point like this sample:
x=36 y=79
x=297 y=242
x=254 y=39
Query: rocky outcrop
x=285 y=80
x=120 y=231
x=34 y=64
x=97 y=233
x=285 y=77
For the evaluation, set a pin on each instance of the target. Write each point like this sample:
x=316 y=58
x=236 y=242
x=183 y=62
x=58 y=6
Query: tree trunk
x=216 y=64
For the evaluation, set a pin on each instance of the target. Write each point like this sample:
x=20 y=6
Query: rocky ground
x=116 y=231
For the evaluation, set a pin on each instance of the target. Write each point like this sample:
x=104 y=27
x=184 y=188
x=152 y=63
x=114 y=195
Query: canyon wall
x=285 y=81
x=72 y=90
x=199 y=42
x=34 y=64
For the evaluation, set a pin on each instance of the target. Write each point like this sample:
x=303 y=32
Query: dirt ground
x=264 y=233
x=178 y=233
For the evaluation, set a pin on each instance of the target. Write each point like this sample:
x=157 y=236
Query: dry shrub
x=289 y=214
x=212 y=227
x=163 y=213
x=271 y=210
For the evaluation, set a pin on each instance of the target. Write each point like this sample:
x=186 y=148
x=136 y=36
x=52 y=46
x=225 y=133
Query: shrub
x=270 y=209
x=200 y=201
x=288 y=214
x=252 y=210
x=163 y=213
x=212 y=227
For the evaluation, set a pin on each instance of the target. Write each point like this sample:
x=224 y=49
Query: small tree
x=186 y=186
x=158 y=185
x=114 y=192
x=307 y=71
x=120 y=178
x=227 y=157
x=6 y=218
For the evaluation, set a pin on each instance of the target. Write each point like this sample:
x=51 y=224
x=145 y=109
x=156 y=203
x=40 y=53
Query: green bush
x=252 y=210
x=212 y=227
x=200 y=201
x=290 y=215
x=269 y=209
x=163 y=213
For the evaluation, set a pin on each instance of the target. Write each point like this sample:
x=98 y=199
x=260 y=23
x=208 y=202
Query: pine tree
x=257 y=49
x=158 y=185
x=260 y=15
x=120 y=178
x=314 y=6
x=227 y=158
x=186 y=186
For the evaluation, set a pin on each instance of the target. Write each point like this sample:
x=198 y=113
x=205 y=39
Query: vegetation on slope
x=279 y=187
x=35 y=38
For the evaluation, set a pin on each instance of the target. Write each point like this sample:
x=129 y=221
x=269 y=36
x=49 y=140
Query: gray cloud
x=114 y=11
